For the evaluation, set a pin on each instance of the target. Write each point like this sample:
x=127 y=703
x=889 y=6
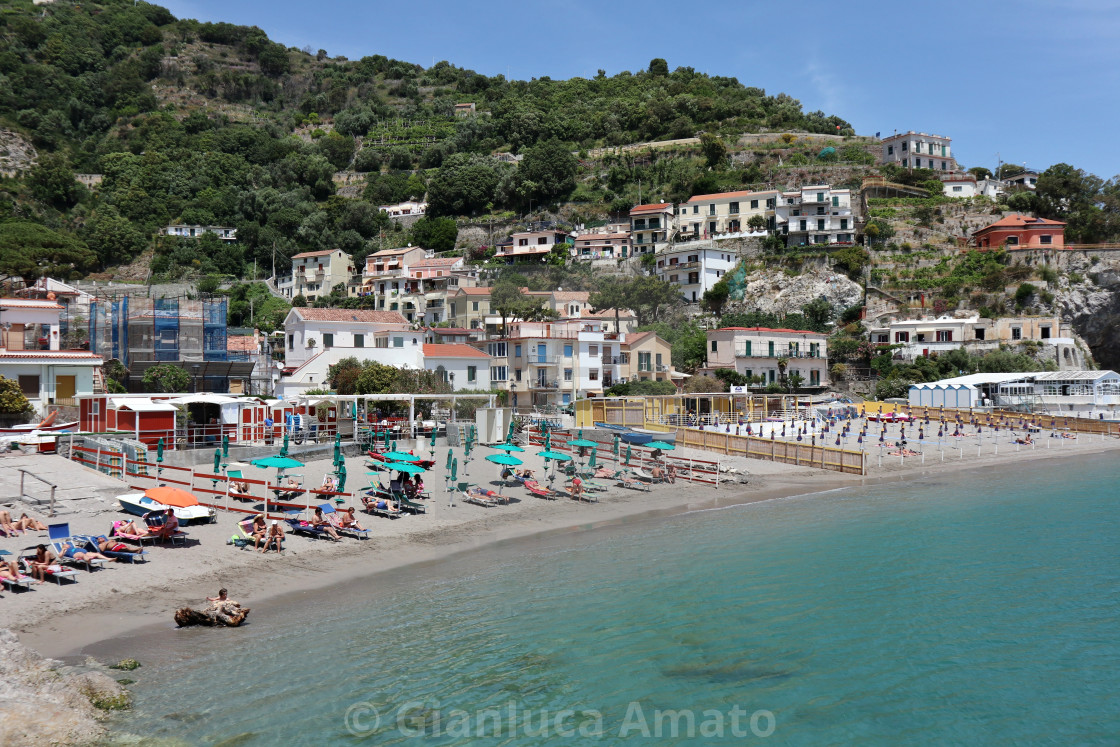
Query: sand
x=124 y=599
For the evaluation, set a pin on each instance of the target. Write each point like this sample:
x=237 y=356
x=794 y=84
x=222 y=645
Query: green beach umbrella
x=592 y=463
x=225 y=444
x=217 y=460
x=507 y=447
x=547 y=440
x=467 y=448
x=284 y=446
x=411 y=469
x=433 y=441
x=159 y=451
x=581 y=433
x=509 y=436
x=627 y=460
x=338 y=448
x=399 y=456
x=615 y=447
x=558 y=456
x=583 y=442
x=280 y=461
x=505 y=459
x=385 y=437
x=454 y=469
x=449 y=459
x=341 y=477
x=663 y=445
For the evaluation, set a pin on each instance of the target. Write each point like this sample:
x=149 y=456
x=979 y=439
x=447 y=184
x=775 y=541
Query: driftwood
x=229 y=615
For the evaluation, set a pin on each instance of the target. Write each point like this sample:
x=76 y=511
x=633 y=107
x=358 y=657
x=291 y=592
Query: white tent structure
x=1036 y=390
x=974 y=390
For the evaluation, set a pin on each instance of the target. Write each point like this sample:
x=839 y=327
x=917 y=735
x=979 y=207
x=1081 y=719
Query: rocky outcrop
x=44 y=702
x=1093 y=307
x=16 y=152
x=776 y=292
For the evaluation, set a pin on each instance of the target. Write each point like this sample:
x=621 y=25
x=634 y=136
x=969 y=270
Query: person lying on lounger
x=237 y=489
x=6 y=524
x=26 y=523
x=320 y=522
x=348 y=520
x=129 y=528
x=383 y=505
x=70 y=550
x=104 y=544
x=526 y=474
x=10 y=571
x=1025 y=441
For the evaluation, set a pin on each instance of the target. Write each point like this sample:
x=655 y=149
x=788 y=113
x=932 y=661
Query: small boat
x=140 y=504
x=669 y=437
x=28 y=428
x=889 y=417
x=32 y=441
x=635 y=438
x=612 y=426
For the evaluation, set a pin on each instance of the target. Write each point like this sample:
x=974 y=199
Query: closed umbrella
x=432 y=443
x=449 y=459
x=217 y=460
x=284 y=446
x=338 y=449
x=628 y=452
x=614 y=448
x=594 y=454
x=341 y=477
x=467 y=448
x=225 y=444
x=159 y=451
x=509 y=436
x=454 y=469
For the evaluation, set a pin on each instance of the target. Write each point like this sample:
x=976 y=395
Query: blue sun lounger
x=59 y=535
x=89 y=542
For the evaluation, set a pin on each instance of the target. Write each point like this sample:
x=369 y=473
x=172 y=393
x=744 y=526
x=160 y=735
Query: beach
x=122 y=599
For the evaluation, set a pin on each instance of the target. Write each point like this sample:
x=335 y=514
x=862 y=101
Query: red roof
x=454 y=331
x=51 y=354
x=768 y=329
x=474 y=290
x=1021 y=221
x=452 y=350
x=651 y=208
x=241 y=344
x=323 y=253
x=349 y=315
x=29 y=303
x=437 y=262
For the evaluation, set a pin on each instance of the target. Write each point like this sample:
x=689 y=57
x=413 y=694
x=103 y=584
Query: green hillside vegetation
x=211 y=123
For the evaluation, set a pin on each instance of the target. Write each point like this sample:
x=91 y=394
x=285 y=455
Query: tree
x=795 y=381
x=338 y=149
x=437 y=234
x=658 y=67
x=704 y=385
x=52 y=180
x=980 y=172
x=30 y=251
x=12 y=399
x=463 y=185
x=715 y=297
x=166 y=377
x=113 y=237
x=878 y=230
x=209 y=284
x=818 y=312
x=756 y=223
x=851 y=259
x=714 y=150
x=547 y=172
x=299 y=301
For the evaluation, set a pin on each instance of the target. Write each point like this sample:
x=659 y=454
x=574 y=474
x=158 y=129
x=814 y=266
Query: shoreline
x=69 y=626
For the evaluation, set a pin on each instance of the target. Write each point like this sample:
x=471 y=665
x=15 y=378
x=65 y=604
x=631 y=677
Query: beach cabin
x=182 y=420
x=135 y=416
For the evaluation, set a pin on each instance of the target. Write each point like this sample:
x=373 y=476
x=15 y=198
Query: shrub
x=12 y=399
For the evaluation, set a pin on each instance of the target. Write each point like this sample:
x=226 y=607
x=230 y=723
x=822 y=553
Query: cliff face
x=1094 y=310
x=776 y=292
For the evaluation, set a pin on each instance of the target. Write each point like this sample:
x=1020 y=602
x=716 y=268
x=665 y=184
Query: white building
x=1047 y=391
x=1024 y=180
x=990 y=188
x=929 y=335
x=756 y=351
x=695 y=269
x=224 y=233
x=315 y=339
x=959 y=185
x=463 y=366
x=919 y=150
x=31 y=356
x=530 y=246
x=314 y=274
x=405 y=209
x=816 y=214
x=601 y=246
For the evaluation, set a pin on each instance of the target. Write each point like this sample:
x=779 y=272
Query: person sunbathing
x=238 y=489
x=26 y=523
x=1024 y=441
x=603 y=471
x=671 y=474
x=383 y=505
x=526 y=475
x=348 y=520
x=42 y=561
x=275 y=535
x=657 y=473
x=70 y=550
x=10 y=571
x=129 y=528
x=319 y=521
x=7 y=525
x=104 y=544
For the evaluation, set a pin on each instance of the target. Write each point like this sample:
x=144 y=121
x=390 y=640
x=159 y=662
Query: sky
x=1026 y=81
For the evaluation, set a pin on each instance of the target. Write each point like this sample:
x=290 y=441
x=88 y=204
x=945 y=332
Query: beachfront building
x=406 y=209
x=451 y=335
x=613 y=320
x=589 y=246
x=695 y=268
x=314 y=274
x=530 y=246
x=763 y=352
x=927 y=335
x=1020 y=231
x=707 y=216
x=31 y=355
x=651 y=225
x=469 y=307
x=646 y=357
x=315 y=339
x=1047 y=391
x=918 y=150
x=224 y=233
x=816 y=214
x=462 y=366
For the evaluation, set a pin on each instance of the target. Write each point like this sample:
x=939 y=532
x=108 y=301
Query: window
x=498 y=373
x=821 y=211
x=517 y=374
x=452 y=308
x=654 y=223
x=733 y=208
x=770 y=203
x=904 y=147
x=944 y=335
x=820 y=196
x=568 y=350
x=593 y=351
x=644 y=362
x=814 y=378
x=804 y=225
x=835 y=201
x=712 y=209
x=714 y=343
x=890 y=150
x=291 y=342
x=29 y=385
x=820 y=224
x=904 y=162
x=567 y=374
x=474 y=305
x=328 y=340
x=843 y=224
x=958 y=188
x=979 y=333
x=917 y=163
x=398 y=342
x=472 y=373
x=542 y=240
x=523 y=242
x=1016 y=334
x=943 y=166
x=770 y=349
x=1044 y=332
x=496 y=349
x=359 y=340
x=657 y=360
x=674 y=278
x=747 y=349
x=593 y=374
x=1013 y=241
x=517 y=350
x=1045 y=239
x=902 y=337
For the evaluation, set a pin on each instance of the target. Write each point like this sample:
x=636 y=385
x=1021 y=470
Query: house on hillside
x=530 y=246
x=225 y=233
x=919 y=150
x=705 y=216
x=930 y=336
x=959 y=185
x=1022 y=180
x=1021 y=232
x=651 y=225
x=461 y=365
x=816 y=214
x=756 y=351
x=590 y=246
x=314 y=274
x=695 y=269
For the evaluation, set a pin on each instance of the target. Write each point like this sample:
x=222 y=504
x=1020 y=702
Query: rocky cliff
x=775 y=291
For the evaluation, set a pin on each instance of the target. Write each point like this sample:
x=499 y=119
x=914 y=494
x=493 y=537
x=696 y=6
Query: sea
x=962 y=607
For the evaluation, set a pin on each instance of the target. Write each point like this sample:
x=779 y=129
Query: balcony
x=745 y=353
x=542 y=384
x=662 y=368
x=543 y=360
x=615 y=360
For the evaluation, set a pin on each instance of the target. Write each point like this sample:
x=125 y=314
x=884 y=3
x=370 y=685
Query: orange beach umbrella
x=170 y=496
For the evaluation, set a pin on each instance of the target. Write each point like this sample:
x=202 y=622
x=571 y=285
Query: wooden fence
x=1002 y=418
x=821 y=457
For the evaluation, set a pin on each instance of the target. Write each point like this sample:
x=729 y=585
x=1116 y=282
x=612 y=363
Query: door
x=64 y=389
x=15 y=337
x=542 y=352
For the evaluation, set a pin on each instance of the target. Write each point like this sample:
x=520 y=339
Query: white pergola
x=312 y=400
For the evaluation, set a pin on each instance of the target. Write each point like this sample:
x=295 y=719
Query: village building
x=816 y=214
x=651 y=225
x=1021 y=232
x=694 y=269
x=707 y=216
x=918 y=150
x=589 y=246
x=464 y=367
x=224 y=233
x=315 y=274
x=760 y=351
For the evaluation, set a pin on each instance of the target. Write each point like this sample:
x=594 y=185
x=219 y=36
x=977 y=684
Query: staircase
x=98 y=381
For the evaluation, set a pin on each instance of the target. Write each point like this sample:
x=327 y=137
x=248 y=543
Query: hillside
x=211 y=123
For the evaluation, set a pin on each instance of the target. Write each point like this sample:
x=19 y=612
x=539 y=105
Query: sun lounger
x=117 y=533
x=243 y=537
x=334 y=518
x=535 y=488
x=156 y=520
x=411 y=507
x=371 y=500
x=301 y=526
x=479 y=495
x=59 y=535
x=23 y=582
x=87 y=542
x=627 y=481
x=57 y=573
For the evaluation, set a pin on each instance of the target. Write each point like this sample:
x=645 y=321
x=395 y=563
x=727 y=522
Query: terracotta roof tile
x=655 y=207
x=241 y=343
x=323 y=253
x=350 y=315
x=452 y=350
x=1021 y=221
x=768 y=329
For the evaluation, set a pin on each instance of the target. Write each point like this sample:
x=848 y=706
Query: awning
x=205 y=398
x=142 y=405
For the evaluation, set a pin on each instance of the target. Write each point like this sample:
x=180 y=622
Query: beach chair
x=479 y=495
x=89 y=542
x=243 y=537
x=380 y=505
x=626 y=481
x=236 y=474
x=59 y=534
x=535 y=488
x=298 y=525
x=57 y=573
x=118 y=533
x=410 y=506
x=23 y=582
x=156 y=520
x=642 y=474
x=333 y=518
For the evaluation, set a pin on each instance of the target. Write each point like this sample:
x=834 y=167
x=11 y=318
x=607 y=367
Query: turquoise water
x=973 y=608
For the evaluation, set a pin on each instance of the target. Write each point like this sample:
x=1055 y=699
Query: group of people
x=267 y=534
x=24 y=523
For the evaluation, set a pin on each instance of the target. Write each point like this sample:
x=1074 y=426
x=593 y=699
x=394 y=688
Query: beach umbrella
x=454 y=469
x=799 y=435
x=593 y=463
x=509 y=436
x=159 y=451
x=548 y=440
x=627 y=460
x=614 y=448
x=338 y=448
x=341 y=477
x=663 y=445
x=225 y=444
x=217 y=460
x=583 y=442
x=504 y=459
x=278 y=462
x=838 y=440
x=399 y=456
x=407 y=468
x=557 y=456
x=170 y=496
x=507 y=447
x=432 y=443
x=859 y=440
x=449 y=458
x=467 y=448
x=284 y=446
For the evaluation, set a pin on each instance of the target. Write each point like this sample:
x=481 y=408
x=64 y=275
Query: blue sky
x=1032 y=80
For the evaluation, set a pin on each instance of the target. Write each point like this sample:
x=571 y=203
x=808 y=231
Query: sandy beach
x=124 y=599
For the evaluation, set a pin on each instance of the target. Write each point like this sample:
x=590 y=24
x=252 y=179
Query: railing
x=614 y=360
x=24 y=473
x=543 y=360
x=545 y=385
x=662 y=368
x=744 y=353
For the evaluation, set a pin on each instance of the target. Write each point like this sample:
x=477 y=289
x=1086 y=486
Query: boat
x=28 y=428
x=635 y=438
x=889 y=417
x=669 y=437
x=140 y=504
x=613 y=426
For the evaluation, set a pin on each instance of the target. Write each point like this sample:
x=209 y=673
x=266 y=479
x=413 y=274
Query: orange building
x=1022 y=232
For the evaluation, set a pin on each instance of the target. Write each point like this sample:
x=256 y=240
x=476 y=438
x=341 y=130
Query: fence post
x=21 y=476
x=51 y=514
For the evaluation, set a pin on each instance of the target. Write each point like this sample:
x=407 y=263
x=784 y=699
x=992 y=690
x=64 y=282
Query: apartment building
x=757 y=351
x=647 y=357
x=651 y=225
x=933 y=335
x=919 y=150
x=706 y=216
x=695 y=269
x=816 y=214
x=530 y=246
x=314 y=274
x=469 y=307
x=589 y=246
x=462 y=366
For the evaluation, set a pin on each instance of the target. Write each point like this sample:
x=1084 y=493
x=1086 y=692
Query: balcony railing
x=543 y=360
x=662 y=368
x=539 y=384
x=744 y=353
x=614 y=360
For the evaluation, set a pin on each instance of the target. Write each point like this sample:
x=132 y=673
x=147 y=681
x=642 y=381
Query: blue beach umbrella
x=557 y=456
x=504 y=459
x=507 y=447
